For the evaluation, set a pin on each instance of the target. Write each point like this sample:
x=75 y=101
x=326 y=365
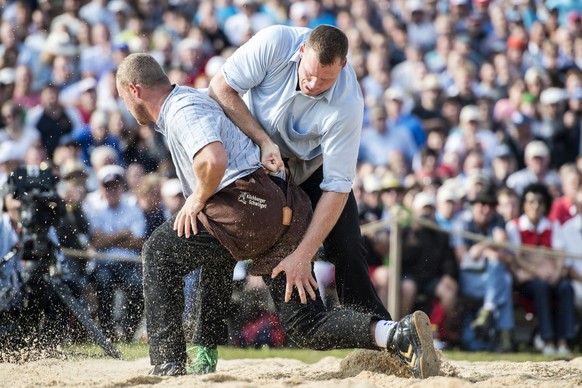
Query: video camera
x=41 y=208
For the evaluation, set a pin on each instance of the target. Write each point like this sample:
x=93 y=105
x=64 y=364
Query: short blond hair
x=141 y=69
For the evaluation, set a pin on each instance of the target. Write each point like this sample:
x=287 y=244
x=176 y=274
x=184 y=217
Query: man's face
x=537 y=164
x=112 y=193
x=314 y=78
x=534 y=207
x=133 y=105
x=446 y=208
x=49 y=98
x=483 y=213
x=426 y=212
x=508 y=206
x=9 y=115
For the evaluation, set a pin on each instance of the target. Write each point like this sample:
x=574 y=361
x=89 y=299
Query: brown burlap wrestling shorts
x=254 y=218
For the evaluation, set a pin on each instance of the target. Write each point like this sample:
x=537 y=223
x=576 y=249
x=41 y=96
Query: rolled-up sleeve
x=339 y=148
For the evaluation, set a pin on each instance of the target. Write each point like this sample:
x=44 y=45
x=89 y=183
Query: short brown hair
x=141 y=69
x=330 y=43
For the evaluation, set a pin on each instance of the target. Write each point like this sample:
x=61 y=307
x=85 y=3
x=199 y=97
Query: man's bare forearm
x=209 y=166
x=327 y=212
x=236 y=110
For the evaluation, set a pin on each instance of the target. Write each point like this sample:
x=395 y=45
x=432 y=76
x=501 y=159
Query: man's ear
x=134 y=89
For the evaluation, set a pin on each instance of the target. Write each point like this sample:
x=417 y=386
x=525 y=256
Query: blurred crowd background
x=472 y=121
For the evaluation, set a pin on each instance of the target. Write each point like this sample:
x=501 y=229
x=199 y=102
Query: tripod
x=43 y=277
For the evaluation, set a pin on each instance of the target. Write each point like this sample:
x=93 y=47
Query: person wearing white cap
x=121 y=11
x=116 y=226
x=299 y=14
x=471 y=135
x=172 y=196
x=421 y=30
x=246 y=23
x=10 y=158
x=484 y=270
x=379 y=140
x=428 y=106
x=429 y=266
x=552 y=129
x=537 y=161
x=447 y=204
x=70 y=18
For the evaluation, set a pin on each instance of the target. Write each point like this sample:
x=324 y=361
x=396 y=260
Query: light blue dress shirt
x=264 y=70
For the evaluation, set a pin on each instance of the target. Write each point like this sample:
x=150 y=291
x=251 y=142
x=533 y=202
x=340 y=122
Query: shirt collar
x=525 y=224
x=159 y=125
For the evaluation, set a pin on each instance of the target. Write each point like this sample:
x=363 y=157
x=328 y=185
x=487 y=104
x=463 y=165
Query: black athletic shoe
x=169 y=369
x=411 y=340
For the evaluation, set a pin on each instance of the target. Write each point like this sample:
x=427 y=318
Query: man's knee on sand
x=305 y=341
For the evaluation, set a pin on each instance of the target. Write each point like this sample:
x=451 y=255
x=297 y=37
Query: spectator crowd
x=472 y=121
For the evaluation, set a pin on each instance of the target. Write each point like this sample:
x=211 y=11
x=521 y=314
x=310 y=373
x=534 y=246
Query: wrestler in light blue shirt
x=189 y=120
x=302 y=126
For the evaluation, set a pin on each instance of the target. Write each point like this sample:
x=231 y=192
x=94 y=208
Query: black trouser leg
x=167 y=259
x=314 y=326
x=212 y=305
x=344 y=247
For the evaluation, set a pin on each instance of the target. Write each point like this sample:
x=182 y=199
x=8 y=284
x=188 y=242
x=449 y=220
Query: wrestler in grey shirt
x=302 y=126
x=189 y=120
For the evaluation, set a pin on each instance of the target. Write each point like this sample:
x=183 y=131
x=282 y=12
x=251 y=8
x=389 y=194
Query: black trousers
x=314 y=326
x=167 y=258
x=344 y=247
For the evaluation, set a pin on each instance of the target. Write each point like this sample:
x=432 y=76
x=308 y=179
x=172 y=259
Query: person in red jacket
x=541 y=277
x=563 y=208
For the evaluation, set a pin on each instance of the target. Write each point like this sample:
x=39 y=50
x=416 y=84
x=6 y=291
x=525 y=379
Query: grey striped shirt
x=189 y=120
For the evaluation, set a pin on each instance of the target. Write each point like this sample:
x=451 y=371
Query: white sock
x=381 y=332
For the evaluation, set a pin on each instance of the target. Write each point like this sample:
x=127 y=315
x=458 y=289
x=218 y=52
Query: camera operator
x=10 y=267
x=116 y=226
x=33 y=309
